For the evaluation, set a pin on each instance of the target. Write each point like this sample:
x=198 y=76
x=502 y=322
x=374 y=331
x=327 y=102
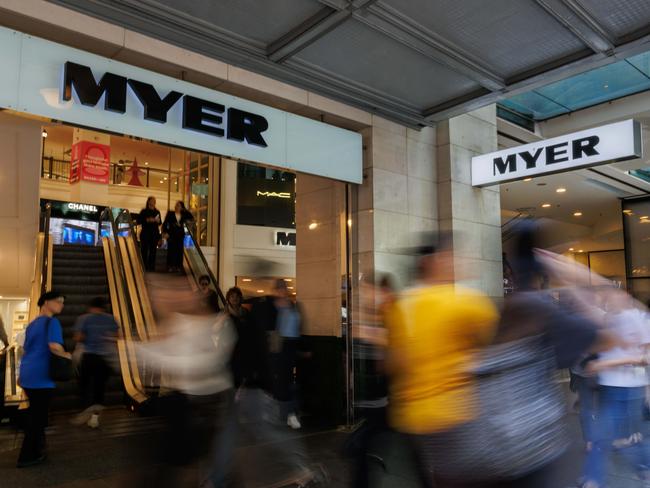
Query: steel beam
x=573 y=17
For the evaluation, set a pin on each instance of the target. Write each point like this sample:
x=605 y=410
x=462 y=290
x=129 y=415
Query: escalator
x=112 y=269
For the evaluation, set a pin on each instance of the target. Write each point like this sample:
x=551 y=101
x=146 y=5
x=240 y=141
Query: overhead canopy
x=412 y=61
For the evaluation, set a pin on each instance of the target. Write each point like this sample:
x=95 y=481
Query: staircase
x=79 y=273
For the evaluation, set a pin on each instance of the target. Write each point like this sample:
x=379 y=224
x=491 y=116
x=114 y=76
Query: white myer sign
x=591 y=147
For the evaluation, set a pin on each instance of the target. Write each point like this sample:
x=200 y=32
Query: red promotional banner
x=90 y=161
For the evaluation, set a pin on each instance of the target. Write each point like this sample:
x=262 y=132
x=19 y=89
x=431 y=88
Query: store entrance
x=582 y=214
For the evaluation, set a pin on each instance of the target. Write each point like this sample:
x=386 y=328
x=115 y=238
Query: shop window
x=265 y=197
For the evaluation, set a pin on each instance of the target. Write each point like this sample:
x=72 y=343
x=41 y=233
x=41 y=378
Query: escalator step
x=79 y=280
x=70 y=290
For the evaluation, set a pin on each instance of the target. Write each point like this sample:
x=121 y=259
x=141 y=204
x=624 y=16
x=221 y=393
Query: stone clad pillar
x=473 y=215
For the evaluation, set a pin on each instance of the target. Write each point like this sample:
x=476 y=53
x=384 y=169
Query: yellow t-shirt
x=433 y=334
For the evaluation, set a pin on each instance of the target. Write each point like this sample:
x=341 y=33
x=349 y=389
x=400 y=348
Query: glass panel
x=599 y=85
x=534 y=105
x=636 y=226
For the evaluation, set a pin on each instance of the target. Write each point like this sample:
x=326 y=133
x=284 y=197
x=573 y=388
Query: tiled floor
x=117 y=456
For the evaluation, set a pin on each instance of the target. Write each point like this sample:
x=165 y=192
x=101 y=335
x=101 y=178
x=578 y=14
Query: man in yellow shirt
x=434 y=331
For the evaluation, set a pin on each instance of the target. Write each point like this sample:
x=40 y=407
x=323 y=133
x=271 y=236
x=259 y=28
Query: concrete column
x=473 y=215
x=20 y=154
x=320 y=250
x=397 y=200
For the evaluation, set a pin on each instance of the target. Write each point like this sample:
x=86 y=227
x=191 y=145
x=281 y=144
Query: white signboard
x=58 y=82
x=591 y=147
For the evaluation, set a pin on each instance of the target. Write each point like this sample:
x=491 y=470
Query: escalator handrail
x=46 y=246
x=206 y=266
x=134 y=233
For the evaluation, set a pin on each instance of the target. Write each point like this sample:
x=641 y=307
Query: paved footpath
x=115 y=455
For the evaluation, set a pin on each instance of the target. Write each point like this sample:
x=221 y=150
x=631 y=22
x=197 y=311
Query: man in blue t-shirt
x=97 y=331
x=43 y=337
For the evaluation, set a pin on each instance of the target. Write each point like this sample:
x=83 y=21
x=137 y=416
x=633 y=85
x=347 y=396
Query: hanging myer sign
x=54 y=81
x=591 y=147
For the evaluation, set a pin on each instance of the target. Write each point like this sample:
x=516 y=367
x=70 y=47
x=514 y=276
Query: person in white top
x=193 y=354
x=623 y=378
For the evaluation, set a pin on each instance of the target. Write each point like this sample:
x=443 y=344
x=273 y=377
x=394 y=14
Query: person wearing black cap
x=43 y=337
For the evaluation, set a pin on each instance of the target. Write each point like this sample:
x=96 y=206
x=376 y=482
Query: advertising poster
x=90 y=161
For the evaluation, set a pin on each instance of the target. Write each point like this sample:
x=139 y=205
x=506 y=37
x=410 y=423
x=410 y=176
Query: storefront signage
x=591 y=147
x=51 y=80
x=82 y=207
x=199 y=115
x=285 y=239
x=273 y=194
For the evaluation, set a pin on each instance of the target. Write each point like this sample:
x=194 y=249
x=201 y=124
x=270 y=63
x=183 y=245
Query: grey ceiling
x=412 y=61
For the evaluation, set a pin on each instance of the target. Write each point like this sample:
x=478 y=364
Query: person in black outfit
x=149 y=220
x=174 y=229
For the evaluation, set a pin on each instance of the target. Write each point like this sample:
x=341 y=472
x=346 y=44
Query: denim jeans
x=588 y=401
x=619 y=415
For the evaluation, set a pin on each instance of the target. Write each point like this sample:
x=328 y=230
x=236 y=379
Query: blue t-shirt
x=35 y=364
x=99 y=330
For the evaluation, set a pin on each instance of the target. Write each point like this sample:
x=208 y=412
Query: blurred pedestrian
x=434 y=330
x=239 y=316
x=194 y=354
x=43 y=338
x=623 y=379
x=149 y=220
x=96 y=333
x=174 y=229
x=372 y=394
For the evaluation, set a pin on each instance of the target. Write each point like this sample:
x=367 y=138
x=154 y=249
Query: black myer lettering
x=89 y=91
x=199 y=115
x=510 y=164
x=531 y=159
x=202 y=115
x=546 y=155
x=155 y=108
x=244 y=126
x=554 y=153
x=585 y=146
x=285 y=239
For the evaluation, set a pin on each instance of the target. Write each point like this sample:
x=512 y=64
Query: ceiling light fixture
x=260 y=291
x=580 y=250
x=570 y=249
x=577 y=214
x=288 y=280
x=313 y=225
x=44 y=133
x=528 y=179
x=246 y=280
x=560 y=190
x=546 y=205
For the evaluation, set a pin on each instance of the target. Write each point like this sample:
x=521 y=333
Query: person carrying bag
x=44 y=362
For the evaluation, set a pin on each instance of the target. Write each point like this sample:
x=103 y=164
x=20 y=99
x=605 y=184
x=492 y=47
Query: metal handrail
x=46 y=246
x=205 y=264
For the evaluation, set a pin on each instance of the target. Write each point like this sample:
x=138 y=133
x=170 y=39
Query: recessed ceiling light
x=577 y=214
x=260 y=291
x=570 y=249
x=289 y=287
x=580 y=250
x=288 y=280
x=546 y=205
x=644 y=217
x=313 y=225
x=528 y=179
x=560 y=190
x=627 y=211
x=247 y=280
x=146 y=163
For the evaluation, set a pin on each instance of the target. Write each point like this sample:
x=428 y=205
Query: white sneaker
x=293 y=422
x=93 y=423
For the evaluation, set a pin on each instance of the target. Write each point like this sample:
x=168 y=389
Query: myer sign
x=55 y=81
x=591 y=147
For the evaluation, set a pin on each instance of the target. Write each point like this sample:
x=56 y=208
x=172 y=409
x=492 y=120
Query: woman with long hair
x=149 y=220
x=174 y=229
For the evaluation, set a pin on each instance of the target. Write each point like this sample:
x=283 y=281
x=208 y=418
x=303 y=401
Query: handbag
x=61 y=368
x=520 y=426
